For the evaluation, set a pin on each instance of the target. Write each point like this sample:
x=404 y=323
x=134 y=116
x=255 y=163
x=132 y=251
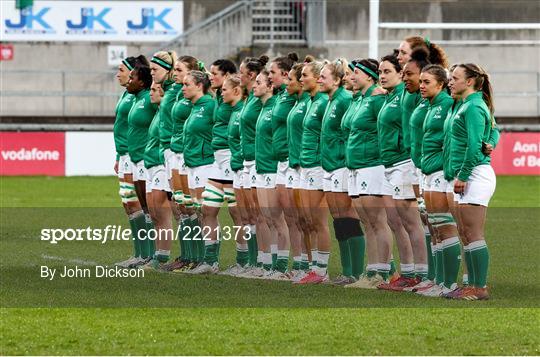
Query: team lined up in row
x=400 y=147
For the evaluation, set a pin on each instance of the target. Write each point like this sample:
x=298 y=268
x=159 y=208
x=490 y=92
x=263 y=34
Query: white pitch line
x=74 y=261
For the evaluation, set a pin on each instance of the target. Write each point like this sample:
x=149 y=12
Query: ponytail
x=481 y=83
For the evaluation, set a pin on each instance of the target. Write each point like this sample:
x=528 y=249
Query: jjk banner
x=123 y=21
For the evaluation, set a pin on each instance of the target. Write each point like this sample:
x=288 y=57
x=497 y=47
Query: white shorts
x=139 y=172
x=238 y=179
x=282 y=168
x=198 y=176
x=311 y=178
x=125 y=166
x=249 y=174
x=168 y=155
x=336 y=181
x=366 y=181
x=265 y=180
x=399 y=180
x=416 y=176
x=222 y=165
x=179 y=164
x=435 y=182
x=480 y=187
x=293 y=178
x=157 y=179
x=450 y=189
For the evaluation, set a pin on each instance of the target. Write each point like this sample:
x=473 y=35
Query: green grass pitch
x=192 y=315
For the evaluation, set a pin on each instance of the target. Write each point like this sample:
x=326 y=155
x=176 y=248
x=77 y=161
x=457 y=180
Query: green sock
x=143 y=241
x=137 y=222
x=211 y=252
x=430 y=258
x=345 y=256
x=480 y=261
x=439 y=264
x=267 y=261
x=297 y=263
x=304 y=262
x=162 y=256
x=314 y=253
x=242 y=254
x=150 y=243
x=282 y=263
x=273 y=250
x=392 y=267
x=252 y=246
x=183 y=243
x=384 y=270
x=198 y=243
x=322 y=261
x=469 y=263
x=451 y=260
x=371 y=270
x=357 y=247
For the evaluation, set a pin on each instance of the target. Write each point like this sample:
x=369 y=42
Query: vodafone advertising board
x=93 y=154
x=32 y=153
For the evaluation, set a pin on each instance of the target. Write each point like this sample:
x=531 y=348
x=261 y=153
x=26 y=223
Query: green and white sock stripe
x=162 y=256
x=421 y=271
x=441 y=219
x=304 y=261
x=384 y=270
x=371 y=270
x=314 y=253
x=267 y=261
x=407 y=270
x=211 y=251
x=127 y=192
x=213 y=196
x=297 y=263
x=322 y=262
x=178 y=197
x=260 y=258
x=242 y=254
x=282 y=263
x=229 y=196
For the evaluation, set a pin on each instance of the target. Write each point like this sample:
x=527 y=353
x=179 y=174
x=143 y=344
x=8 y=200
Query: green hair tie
x=126 y=63
x=426 y=40
x=368 y=71
x=161 y=63
x=200 y=64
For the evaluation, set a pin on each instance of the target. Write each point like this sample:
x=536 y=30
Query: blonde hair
x=169 y=57
x=314 y=66
x=338 y=68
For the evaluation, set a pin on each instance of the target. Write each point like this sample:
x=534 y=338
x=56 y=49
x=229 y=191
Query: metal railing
x=217 y=36
x=85 y=93
x=64 y=93
x=279 y=22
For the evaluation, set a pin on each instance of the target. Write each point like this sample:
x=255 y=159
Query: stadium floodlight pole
x=374 y=29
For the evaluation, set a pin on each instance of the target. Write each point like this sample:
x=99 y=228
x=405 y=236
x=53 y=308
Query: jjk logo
x=88 y=19
x=27 y=19
x=148 y=20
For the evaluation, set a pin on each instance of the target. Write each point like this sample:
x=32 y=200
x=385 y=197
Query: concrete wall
x=346 y=35
x=86 y=58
